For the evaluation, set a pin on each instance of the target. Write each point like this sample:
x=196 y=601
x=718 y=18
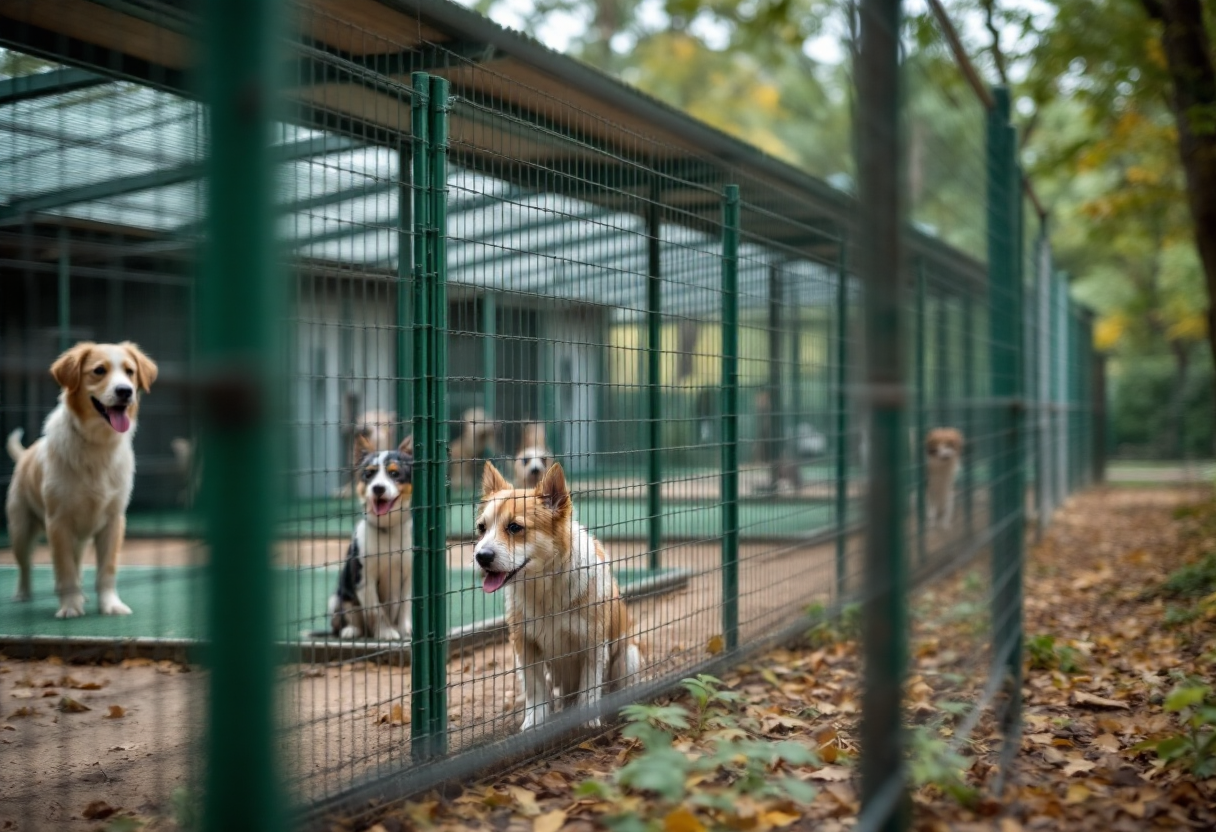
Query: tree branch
x=998 y=56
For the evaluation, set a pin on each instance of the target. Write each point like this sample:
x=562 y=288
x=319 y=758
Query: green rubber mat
x=608 y=519
x=167 y=602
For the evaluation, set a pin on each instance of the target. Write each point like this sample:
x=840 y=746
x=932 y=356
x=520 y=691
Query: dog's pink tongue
x=494 y=581
x=382 y=507
x=119 y=420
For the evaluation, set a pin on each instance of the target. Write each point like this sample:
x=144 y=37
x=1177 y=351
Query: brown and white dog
x=943 y=455
x=377 y=428
x=533 y=458
x=75 y=481
x=569 y=628
x=477 y=441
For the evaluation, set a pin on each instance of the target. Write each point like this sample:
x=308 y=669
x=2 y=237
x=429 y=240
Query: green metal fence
x=383 y=220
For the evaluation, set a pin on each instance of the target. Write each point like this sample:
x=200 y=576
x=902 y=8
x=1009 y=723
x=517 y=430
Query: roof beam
x=54 y=82
x=121 y=185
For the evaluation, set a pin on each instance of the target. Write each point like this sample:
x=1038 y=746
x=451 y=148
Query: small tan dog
x=569 y=628
x=75 y=481
x=533 y=458
x=943 y=455
x=477 y=441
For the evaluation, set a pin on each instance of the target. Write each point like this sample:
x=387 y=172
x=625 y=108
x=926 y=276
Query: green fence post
x=65 y=289
x=880 y=264
x=730 y=417
x=973 y=456
x=919 y=423
x=842 y=420
x=1005 y=338
x=776 y=420
x=438 y=635
x=424 y=497
x=239 y=311
x=654 y=377
x=405 y=305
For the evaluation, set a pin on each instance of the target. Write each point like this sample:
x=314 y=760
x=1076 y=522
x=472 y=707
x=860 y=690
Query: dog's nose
x=378 y=490
x=484 y=558
x=123 y=393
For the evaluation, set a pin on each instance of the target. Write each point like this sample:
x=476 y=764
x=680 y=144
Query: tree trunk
x=1188 y=55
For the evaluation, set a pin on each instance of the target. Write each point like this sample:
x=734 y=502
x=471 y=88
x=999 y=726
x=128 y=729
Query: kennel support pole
x=730 y=417
x=972 y=455
x=654 y=377
x=238 y=347
x=1005 y=345
x=884 y=799
x=918 y=437
x=405 y=298
x=842 y=419
x=420 y=682
x=438 y=620
x=489 y=358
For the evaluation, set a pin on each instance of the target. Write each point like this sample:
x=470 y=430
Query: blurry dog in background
x=568 y=625
x=943 y=455
x=374 y=587
x=75 y=481
x=188 y=467
x=478 y=440
x=533 y=457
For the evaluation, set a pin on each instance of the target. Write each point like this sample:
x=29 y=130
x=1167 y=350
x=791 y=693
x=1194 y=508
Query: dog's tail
x=14 y=446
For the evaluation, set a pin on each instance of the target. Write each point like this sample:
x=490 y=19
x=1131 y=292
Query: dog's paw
x=388 y=634
x=113 y=605
x=21 y=595
x=349 y=632
x=71 y=608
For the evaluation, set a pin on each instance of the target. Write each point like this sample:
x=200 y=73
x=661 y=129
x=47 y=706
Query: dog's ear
x=68 y=368
x=491 y=481
x=553 y=491
x=145 y=368
x=407 y=445
x=363 y=444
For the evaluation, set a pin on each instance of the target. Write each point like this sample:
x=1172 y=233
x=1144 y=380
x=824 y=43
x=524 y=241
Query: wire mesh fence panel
x=561 y=405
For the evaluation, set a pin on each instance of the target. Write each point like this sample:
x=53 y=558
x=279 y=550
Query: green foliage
x=827 y=630
x=732 y=754
x=1194 y=579
x=1195 y=746
x=931 y=762
x=1045 y=654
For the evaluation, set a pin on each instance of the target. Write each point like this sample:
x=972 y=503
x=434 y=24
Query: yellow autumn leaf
x=1077 y=794
x=549 y=821
x=682 y=820
x=778 y=818
x=715 y=646
x=1108 y=332
x=525 y=800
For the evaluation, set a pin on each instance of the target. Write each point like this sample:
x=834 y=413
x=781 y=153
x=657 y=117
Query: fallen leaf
x=49 y=694
x=1076 y=766
x=116 y=712
x=831 y=774
x=549 y=821
x=395 y=717
x=715 y=646
x=682 y=820
x=1077 y=794
x=1107 y=742
x=1080 y=697
x=98 y=810
x=525 y=800
x=70 y=706
x=7 y=727
x=24 y=711
x=778 y=818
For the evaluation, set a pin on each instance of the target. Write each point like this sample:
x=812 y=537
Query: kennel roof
x=553 y=163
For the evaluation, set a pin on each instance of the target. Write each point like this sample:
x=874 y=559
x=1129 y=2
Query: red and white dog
x=943 y=455
x=569 y=628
